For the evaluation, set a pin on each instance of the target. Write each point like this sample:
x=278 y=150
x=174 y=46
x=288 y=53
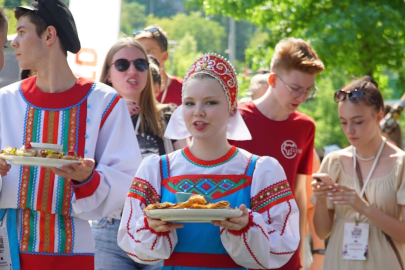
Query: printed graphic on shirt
x=290 y=149
x=148 y=144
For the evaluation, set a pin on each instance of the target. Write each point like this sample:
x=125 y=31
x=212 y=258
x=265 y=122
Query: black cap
x=55 y=13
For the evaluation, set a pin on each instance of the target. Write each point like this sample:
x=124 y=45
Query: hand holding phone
x=324 y=178
x=321 y=190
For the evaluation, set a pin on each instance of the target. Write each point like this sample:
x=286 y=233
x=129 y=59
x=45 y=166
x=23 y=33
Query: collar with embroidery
x=55 y=101
x=209 y=163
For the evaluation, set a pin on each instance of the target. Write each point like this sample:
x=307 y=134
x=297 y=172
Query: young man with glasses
x=155 y=42
x=277 y=129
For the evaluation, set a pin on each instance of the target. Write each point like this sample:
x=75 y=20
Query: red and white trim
x=87 y=188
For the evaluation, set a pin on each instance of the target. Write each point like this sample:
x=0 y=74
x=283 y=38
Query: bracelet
x=318 y=251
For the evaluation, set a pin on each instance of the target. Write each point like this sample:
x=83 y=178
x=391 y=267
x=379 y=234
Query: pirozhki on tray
x=27 y=151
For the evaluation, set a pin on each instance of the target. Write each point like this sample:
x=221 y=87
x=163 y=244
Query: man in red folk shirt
x=278 y=130
x=154 y=40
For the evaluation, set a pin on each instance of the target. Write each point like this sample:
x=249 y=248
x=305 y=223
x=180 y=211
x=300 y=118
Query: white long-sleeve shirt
x=269 y=240
x=89 y=119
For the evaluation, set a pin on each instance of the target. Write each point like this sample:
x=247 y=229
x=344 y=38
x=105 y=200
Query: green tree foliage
x=357 y=36
x=161 y=8
x=353 y=38
x=132 y=17
x=11 y=3
x=185 y=54
x=208 y=34
x=324 y=110
x=8 y=7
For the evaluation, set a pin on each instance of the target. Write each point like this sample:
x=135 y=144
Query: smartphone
x=323 y=177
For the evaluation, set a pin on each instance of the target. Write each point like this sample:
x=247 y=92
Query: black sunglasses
x=354 y=96
x=122 y=65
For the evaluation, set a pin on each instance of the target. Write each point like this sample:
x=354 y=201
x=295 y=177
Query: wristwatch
x=318 y=251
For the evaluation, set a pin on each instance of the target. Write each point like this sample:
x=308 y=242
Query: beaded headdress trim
x=222 y=70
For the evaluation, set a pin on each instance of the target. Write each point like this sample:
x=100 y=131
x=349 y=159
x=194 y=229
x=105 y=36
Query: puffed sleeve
x=272 y=234
x=331 y=166
x=401 y=181
x=117 y=158
x=141 y=243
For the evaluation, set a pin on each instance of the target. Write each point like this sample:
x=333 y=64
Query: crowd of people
x=145 y=135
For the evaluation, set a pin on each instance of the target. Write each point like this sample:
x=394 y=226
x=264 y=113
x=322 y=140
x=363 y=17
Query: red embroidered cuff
x=250 y=223
x=153 y=231
x=87 y=188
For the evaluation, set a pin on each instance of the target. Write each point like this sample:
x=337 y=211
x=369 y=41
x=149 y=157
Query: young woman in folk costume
x=265 y=236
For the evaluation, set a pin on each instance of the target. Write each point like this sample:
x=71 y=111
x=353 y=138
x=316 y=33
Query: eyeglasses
x=354 y=96
x=154 y=30
x=122 y=65
x=297 y=92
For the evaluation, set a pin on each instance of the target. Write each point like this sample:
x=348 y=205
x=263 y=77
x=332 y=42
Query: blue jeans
x=108 y=255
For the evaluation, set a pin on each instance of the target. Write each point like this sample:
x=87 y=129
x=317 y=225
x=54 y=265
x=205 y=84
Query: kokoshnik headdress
x=220 y=69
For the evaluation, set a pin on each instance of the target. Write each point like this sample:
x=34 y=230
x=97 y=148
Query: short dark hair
x=153 y=60
x=156 y=78
x=262 y=71
x=36 y=20
x=3 y=19
x=370 y=88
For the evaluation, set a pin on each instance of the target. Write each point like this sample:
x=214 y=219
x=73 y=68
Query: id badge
x=5 y=258
x=355 y=241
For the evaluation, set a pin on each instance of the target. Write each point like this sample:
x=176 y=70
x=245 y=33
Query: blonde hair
x=157 y=38
x=149 y=111
x=295 y=54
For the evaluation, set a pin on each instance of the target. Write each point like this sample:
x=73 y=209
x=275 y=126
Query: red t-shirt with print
x=173 y=95
x=291 y=142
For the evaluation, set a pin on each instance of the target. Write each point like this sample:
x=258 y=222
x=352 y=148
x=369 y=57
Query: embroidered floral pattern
x=272 y=195
x=25 y=231
x=69 y=234
x=205 y=63
x=218 y=67
x=25 y=177
x=47 y=233
x=143 y=191
x=72 y=129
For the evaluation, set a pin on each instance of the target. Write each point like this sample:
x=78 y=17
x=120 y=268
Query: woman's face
x=205 y=109
x=129 y=83
x=359 y=122
x=3 y=42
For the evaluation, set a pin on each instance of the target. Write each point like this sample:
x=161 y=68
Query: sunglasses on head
x=122 y=65
x=354 y=96
x=153 y=31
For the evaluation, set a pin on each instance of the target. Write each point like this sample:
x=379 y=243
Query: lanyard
x=363 y=190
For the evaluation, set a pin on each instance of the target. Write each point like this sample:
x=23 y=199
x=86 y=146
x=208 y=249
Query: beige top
x=385 y=193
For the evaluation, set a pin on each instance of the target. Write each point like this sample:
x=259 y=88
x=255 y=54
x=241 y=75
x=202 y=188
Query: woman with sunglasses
x=126 y=69
x=361 y=211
